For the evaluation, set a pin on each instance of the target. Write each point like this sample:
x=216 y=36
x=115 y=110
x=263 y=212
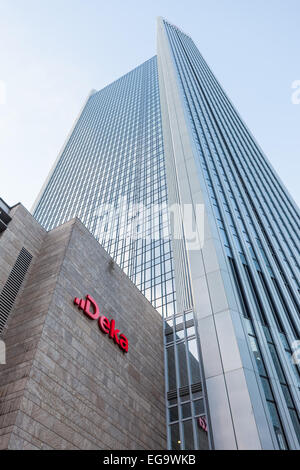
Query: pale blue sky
x=52 y=52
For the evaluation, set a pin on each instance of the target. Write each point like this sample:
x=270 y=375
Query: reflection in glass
x=188 y=435
x=201 y=425
x=199 y=407
x=257 y=355
x=171 y=368
x=194 y=361
x=179 y=334
x=186 y=410
x=189 y=316
x=173 y=413
x=190 y=331
x=277 y=426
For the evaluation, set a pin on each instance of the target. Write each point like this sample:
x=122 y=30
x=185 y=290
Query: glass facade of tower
x=258 y=224
x=113 y=175
x=110 y=172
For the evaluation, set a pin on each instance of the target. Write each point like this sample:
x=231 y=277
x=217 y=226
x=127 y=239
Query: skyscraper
x=166 y=135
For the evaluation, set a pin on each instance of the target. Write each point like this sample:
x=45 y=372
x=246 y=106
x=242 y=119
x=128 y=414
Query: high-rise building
x=166 y=135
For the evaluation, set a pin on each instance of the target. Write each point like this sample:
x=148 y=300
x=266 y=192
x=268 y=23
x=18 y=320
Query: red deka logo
x=91 y=309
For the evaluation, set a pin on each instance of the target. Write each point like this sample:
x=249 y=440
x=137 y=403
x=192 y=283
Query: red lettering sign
x=91 y=309
x=202 y=423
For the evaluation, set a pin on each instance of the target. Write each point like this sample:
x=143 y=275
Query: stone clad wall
x=80 y=391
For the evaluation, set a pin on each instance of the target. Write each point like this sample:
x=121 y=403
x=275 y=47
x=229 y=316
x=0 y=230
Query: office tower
x=166 y=134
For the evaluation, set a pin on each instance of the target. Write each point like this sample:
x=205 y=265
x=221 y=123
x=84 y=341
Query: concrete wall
x=66 y=385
